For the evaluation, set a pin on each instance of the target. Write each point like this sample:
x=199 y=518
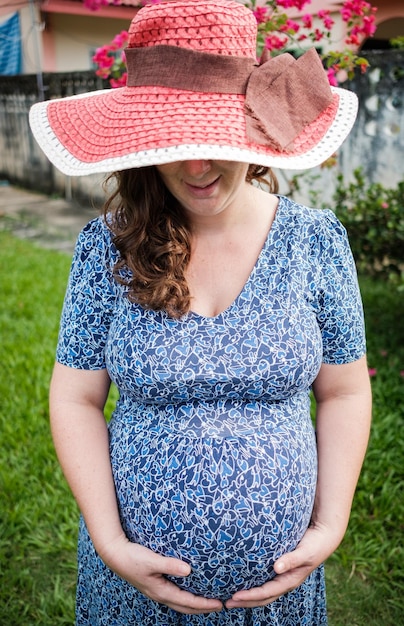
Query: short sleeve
x=340 y=311
x=89 y=300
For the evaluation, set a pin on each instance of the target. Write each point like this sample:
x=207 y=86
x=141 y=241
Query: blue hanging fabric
x=10 y=46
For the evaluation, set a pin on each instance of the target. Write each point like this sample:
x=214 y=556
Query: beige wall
x=75 y=37
x=62 y=42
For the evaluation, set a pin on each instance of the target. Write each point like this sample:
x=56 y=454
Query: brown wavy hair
x=153 y=236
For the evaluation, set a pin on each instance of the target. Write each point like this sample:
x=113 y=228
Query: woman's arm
x=343 y=417
x=343 y=397
x=77 y=399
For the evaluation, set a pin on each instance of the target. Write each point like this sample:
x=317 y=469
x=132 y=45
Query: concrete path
x=50 y=222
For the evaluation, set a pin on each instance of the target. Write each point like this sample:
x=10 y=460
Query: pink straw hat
x=196 y=91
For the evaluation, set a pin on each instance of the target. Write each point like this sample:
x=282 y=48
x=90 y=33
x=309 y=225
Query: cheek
x=237 y=171
x=168 y=169
x=168 y=177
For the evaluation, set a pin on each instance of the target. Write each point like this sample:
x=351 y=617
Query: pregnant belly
x=229 y=506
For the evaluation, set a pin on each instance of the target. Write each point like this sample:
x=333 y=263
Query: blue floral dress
x=212 y=446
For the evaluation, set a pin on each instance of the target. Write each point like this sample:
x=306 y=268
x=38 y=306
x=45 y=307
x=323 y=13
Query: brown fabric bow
x=283 y=94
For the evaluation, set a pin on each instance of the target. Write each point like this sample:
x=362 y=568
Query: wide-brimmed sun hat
x=196 y=91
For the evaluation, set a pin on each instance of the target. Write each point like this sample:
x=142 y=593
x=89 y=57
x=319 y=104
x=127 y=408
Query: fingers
x=260 y=596
x=290 y=561
x=166 y=592
x=267 y=593
x=172 y=567
x=291 y=569
x=154 y=584
x=147 y=571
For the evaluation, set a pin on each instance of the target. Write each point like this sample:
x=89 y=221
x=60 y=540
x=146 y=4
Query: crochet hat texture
x=196 y=91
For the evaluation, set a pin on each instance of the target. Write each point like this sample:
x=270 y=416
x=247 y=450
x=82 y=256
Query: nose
x=197 y=168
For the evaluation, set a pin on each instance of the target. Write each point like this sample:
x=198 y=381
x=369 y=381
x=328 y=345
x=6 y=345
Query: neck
x=238 y=213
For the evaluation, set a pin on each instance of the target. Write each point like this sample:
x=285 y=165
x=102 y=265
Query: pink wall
x=72 y=7
x=10 y=6
x=48 y=49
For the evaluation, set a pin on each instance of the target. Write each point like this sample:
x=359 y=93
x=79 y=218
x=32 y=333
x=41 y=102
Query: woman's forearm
x=342 y=423
x=82 y=449
x=80 y=436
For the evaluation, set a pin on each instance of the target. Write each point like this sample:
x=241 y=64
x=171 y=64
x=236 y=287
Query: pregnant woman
x=215 y=308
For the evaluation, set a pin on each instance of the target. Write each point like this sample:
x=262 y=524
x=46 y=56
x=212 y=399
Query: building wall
x=54 y=41
x=61 y=37
x=391 y=27
x=388 y=9
x=75 y=40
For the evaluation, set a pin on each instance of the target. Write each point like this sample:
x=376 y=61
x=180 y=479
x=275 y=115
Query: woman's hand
x=292 y=568
x=146 y=570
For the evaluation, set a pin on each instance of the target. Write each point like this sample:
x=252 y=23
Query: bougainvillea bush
x=111 y=62
x=374 y=218
x=277 y=32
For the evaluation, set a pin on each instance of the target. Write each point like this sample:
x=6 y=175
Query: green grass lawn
x=38 y=517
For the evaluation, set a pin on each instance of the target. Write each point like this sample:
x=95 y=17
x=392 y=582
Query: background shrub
x=374 y=219
x=373 y=216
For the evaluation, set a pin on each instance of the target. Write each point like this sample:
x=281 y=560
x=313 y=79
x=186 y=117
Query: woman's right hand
x=147 y=571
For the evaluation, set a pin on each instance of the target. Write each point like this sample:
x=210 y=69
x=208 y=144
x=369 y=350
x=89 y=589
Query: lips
x=203 y=190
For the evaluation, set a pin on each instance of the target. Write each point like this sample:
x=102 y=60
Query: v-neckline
x=267 y=242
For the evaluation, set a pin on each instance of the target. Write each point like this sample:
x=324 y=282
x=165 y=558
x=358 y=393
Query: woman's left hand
x=292 y=568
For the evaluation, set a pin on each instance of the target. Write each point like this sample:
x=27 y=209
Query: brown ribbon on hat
x=283 y=94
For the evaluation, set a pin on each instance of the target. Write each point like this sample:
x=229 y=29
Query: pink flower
x=369 y=26
x=120 y=40
x=318 y=35
x=94 y=5
x=290 y=26
x=289 y=4
x=345 y=14
x=103 y=59
x=307 y=20
x=372 y=371
x=360 y=17
x=384 y=205
x=273 y=42
x=332 y=79
x=119 y=82
x=260 y=14
x=328 y=23
x=327 y=20
x=353 y=40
